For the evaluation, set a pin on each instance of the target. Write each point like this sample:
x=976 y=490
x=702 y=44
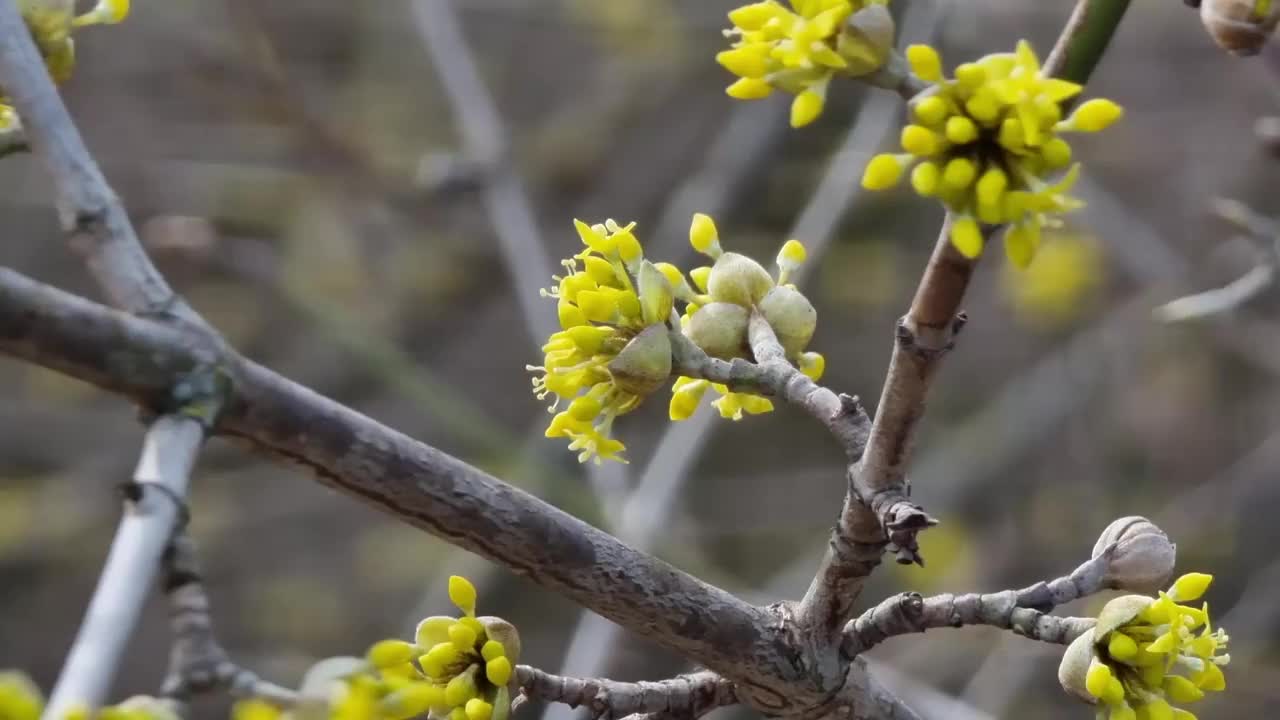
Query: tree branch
x=876 y=513
x=197 y=662
x=772 y=375
x=417 y=484
x=910 y=613
x=685 y=696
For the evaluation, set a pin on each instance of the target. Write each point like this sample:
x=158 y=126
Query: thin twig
x=910 y=613
x=197 y=662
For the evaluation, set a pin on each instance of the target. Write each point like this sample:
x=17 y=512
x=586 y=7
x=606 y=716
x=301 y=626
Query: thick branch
x=420 y=485
x=686 y=696
x=910 y=613
x=154 y=510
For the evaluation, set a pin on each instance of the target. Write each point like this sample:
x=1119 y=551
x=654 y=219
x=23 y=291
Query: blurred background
x=304 y=176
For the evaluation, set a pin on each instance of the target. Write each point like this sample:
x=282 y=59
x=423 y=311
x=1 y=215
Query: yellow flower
x=617 y=311
x=799 y=49
x=612 y=350
x=1149 y=654
x=984 y=141
x=20 y=699
x=51 y=23
x=1056 y=286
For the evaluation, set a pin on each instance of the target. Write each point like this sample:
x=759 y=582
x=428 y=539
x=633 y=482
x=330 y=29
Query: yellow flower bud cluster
x=716 y=318
x=613 y=349
x=51 y=23
x=457 y=668
x=983 y=142
x=799 y=49
x=617 y=310
x=1148 y=655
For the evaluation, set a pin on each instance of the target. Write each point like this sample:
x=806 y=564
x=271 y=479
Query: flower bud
x=1073 y=671
x=434 y=630
x=501 y=631
x=1141 y=555
x=720 y=329
x=656 y=295
x=463 y=594
x=738 y=279
x=866 y=40
x=1236 y=25
x=791 y=316
x=389 y=653
x=643 y=365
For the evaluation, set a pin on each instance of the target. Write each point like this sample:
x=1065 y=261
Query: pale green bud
x=720 y=329
x=656 y=295
x=791 y=316
x=738 y=279
x=643 y=366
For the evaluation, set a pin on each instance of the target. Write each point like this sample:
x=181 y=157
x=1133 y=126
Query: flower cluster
x=799 y=50
x=613 y=349
x=983 y=143
x=617 y=310
x=457 y=668
x=51 y=25
x=1147 y=654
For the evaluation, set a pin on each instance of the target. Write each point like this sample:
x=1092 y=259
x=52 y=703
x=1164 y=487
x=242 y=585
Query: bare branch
x=911 y=613
x=685 y=696
x=197 y=662
x=154 y=510
x=876 y=510
x=419 y=485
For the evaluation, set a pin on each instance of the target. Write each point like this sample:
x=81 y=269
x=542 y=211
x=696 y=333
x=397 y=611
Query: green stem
x=1085 y=39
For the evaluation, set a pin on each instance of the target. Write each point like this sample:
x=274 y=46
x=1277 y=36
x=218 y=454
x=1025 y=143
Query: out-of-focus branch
x=1264 y=233
x=1085 y=38
x=484 y=142
x=197 y=662
x=685 y=696
x=155 y=509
